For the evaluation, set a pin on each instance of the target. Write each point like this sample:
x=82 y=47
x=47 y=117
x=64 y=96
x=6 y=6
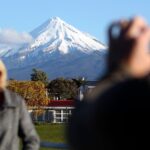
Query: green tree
x=79 y=81
x=62 y=88
x=39 y=75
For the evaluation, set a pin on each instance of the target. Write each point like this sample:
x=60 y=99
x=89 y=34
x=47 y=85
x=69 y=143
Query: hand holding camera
x=131 y=41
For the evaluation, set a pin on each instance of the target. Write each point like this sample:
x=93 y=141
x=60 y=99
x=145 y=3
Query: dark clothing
x=108 y=81
x=80 y=121
x=117 y=119
x=120 y=117
x=15 y=122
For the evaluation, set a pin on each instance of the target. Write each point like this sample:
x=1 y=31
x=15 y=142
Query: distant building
x=57 y=111
x=86 y=88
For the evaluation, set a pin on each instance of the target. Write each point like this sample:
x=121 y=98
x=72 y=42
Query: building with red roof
x=57 y=111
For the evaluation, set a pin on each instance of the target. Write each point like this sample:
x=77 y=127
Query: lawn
x=51 y=133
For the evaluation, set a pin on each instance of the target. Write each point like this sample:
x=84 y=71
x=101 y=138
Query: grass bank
x=51 y=133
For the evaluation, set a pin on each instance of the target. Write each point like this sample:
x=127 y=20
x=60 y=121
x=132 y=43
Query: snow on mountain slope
x=4 y=50
x=55 y=34
x=64 y=36
x=55 y=40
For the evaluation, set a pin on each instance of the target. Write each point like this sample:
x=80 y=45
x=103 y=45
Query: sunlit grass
x=51 y=133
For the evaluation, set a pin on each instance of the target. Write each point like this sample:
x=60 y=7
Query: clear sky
x=92 y=16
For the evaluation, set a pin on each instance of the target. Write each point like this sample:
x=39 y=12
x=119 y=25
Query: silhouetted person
x=128 y=53
x=118 y=119
x=115 y=116
x=15 y=121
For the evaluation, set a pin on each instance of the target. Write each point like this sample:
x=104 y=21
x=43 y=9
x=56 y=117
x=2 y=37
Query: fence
x=52 y=114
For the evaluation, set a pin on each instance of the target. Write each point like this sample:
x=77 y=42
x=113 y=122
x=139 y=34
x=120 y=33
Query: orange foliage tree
x=34 y=92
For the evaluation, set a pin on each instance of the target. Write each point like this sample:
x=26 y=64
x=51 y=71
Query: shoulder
x=103 y=86
x=13 y=98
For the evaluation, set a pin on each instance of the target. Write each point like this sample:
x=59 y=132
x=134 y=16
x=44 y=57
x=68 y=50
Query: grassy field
x=51 y=133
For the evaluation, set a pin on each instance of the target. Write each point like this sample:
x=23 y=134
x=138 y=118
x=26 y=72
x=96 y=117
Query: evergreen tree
x=62 y=88
x=39 y=75
x=79 y=81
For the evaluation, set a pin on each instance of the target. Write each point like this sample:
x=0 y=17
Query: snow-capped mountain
x=59 y=49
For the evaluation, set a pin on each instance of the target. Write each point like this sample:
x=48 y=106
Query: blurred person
x=101 y=124
x=129 y=47
x=118 y=119
x=128 y=53
x=14 y=119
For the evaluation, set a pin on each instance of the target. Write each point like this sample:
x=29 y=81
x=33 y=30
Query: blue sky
x=92 y=16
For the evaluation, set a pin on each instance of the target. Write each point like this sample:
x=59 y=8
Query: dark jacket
x=15 y=122
x=107 y=82
x=118 y=119
x=80 y=120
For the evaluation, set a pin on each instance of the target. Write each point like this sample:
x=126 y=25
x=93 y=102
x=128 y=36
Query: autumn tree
x=33 y=92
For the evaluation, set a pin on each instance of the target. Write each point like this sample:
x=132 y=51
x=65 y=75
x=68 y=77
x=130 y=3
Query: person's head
x=129 y=47
x=3 y=76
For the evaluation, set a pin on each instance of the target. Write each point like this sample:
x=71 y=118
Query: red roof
x=61 y=103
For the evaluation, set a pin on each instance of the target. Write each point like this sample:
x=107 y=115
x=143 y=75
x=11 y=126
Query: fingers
x=145 y=36
x=137 y=26
x=131 y=28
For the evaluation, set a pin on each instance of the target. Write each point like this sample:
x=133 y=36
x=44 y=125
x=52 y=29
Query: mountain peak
x=56 y=19
x=57 y=35
x=59 y=49
x=63 y=36
x=50 y=24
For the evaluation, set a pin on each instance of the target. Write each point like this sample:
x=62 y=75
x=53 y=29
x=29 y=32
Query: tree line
x=39 y=90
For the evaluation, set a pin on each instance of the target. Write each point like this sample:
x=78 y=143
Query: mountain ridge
x=54 y=40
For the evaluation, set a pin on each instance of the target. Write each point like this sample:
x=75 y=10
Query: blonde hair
x=3 y=75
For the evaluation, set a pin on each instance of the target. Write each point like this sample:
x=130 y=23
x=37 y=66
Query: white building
x=86 y=88
x=57 y=111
